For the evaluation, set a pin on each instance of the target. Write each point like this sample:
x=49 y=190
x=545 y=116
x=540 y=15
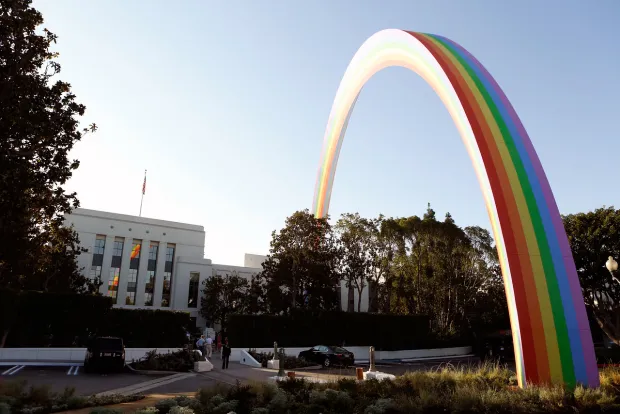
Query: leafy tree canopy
x=38 y=127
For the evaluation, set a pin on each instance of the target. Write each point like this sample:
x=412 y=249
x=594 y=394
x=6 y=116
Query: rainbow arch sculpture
x=551 y=334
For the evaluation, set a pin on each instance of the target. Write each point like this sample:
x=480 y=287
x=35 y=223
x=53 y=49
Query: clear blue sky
x=225 y=103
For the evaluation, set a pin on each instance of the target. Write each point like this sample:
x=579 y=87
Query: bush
x=179 y=361
x=164 y=406
x=147 y=410
x=20 y=398
x=333 y=328
x=489 y=389
x=42 y=319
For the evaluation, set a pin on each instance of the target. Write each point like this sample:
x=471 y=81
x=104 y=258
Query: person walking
x=209 y=346
x=219 y=343
x=225 y=354
x=200 y=344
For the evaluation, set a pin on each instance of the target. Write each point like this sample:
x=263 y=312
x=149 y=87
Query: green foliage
x=181 y=410
x=332 y=328
x=104 y=410
x=21 y=398
x=164 y=406
x=224 y=296
x=37 y=319
x=179 y=361
x=5 y=408
x=301 y=270
x=410 y=266
x=38 y=128
x=487 y=389
x=147 y=410
x=594 y=236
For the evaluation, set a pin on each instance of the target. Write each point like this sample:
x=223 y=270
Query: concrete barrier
x=67 y=354
x=237 y=354
x=247 y=359
x=361 y=353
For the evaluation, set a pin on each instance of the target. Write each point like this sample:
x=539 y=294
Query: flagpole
x=142 y=198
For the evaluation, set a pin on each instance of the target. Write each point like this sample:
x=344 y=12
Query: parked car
x=328 y=356
x=104 y=353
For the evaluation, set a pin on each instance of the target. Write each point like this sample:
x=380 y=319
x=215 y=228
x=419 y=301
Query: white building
x=148 y=263
x=157 y=264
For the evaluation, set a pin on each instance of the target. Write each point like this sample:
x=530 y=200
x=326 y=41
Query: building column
x=124 y=276
x=159 y=275
x=105 y=266
x=141 y=282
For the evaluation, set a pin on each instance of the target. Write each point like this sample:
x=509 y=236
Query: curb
x=153 y=372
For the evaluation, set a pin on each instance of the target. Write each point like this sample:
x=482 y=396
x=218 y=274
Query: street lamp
x=612 y=266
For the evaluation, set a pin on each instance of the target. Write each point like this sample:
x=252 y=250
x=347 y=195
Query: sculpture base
x=378 y=376
x=273 y=364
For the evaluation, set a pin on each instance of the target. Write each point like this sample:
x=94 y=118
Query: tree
x=301 y=270
x=358 y=253
x=38 y=128
x=223 y=296
x=594 y=236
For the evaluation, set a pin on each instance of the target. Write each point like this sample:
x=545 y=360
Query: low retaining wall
x=68 y=354
x=361 y=353
x=237 y=354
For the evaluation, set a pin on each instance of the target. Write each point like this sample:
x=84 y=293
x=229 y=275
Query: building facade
x=158 y=264
x=148 y=263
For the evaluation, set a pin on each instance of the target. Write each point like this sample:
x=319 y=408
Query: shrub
x=179 y=361
x=39 y=399
x=181 y=410
x=331 y=328
x=164 y=406
x=147 y=410
x=5 y=408
x=104 y=410
x=41 y=319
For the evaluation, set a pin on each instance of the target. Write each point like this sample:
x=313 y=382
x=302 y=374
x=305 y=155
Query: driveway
x=59 y=378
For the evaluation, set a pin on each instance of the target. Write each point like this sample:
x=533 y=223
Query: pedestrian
x=225 y=354
x=209 y=346
x=200 y=344
x=219 y=342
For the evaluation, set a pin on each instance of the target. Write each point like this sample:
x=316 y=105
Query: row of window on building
x=134 y=265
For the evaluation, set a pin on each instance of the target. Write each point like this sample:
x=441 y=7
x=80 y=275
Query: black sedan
x=328 y=356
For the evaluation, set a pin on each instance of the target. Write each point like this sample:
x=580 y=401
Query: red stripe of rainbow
x=552 y=338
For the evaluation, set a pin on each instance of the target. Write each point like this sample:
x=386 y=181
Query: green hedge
x=38 y=319
x=384 y=332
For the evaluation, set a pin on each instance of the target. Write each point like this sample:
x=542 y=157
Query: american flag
x=144 y=184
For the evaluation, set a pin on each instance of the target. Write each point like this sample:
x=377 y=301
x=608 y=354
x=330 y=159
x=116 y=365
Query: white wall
x=254 y=260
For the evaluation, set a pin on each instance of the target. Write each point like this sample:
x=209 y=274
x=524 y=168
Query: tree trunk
x=359 y=299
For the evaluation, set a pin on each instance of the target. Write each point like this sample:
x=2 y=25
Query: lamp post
x=612 y=267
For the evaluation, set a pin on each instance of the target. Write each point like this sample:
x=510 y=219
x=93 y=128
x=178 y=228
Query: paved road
x=58 y=378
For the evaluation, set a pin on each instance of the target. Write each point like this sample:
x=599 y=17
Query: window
x=153 y=251
x=117 y=250
x=192 y=297
x=95 y=272
x=99 y=245
x=135 y=249
x=149 y=288
x=113 y=283
x=166 y=293
x=165 y=297
x=170 y=252
x=132 y=281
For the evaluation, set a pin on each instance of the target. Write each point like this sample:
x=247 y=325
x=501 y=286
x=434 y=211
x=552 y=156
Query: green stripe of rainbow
x=552 y=338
